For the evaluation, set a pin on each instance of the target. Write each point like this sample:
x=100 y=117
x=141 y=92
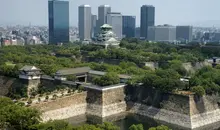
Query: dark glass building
x=147 y=19
x=129 y=23
x=58 y=12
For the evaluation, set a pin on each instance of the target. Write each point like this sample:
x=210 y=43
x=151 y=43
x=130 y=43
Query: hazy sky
x=175 y=12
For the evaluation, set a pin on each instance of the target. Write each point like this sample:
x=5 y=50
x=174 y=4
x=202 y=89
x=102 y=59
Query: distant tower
x=94 y=25
x=85 y=22
x=115 y=20
x=103 y=10
x=58 y=21
x=129 y=23
x=147 y=19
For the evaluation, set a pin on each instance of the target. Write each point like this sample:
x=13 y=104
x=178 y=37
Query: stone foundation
x=183 y=120
x=161 y=115
x=63 y=108
x=106 y=101
x=107 y=110
x=64 y=113
x=204 y=119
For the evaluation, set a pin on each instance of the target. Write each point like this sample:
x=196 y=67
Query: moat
x=124 y=121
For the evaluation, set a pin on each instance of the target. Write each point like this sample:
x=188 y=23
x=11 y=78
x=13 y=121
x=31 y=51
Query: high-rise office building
x=184 y=33
x=58 y=12
x=103 y=10
x=129 y=23
x=94 y=27
x=164 y=33
x=137 y=32
x=147 y=19
x=85 y=22
x=115 y=20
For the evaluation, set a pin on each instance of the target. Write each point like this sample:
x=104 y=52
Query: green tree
x=108 y=79
x=52 y=125
x=162 y=127
x=199 y=90
x=136 y=127
x=71 y=78
x=16 y=116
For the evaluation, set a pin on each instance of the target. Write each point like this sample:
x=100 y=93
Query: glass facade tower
x=129 y=23
x=147 y=19
x=58 y=12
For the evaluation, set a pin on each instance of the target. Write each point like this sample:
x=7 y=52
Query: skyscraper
x=103 y=10
x=94 y=25
x=147 y=19
x=85 y=22
x=58 y=12
x=115 y=20
x=184 y=33
x=129 y=23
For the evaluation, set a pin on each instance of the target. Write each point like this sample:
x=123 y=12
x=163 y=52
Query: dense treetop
x=131 y=54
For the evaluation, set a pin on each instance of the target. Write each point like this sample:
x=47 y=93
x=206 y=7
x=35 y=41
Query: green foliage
x=81 y=88
x=41 y=56
x=108 y=79
x=52 y=125
x=162 y=127
x=104 y=126
x=29 y=101
x=207 y=77
x=107 y=126
x=71 y=78
x=17 y=116
x=163 y=80
x=199 y=90
x=136 y=127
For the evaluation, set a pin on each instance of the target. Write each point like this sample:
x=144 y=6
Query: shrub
x=46 y=98
x=162 y=127
x=29 y=101
x=71 y=78
x=136 y=127
x=108 y=79
x=198 y=90
x=81 y=88
x=54 y=97
x=39 y=99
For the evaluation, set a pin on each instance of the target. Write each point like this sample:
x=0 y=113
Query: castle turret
x=30 y=75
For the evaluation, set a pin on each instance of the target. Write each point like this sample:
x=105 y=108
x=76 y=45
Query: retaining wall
x=63 y=108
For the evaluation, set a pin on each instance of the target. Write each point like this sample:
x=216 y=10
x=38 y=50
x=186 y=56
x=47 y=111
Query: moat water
x=124 y=121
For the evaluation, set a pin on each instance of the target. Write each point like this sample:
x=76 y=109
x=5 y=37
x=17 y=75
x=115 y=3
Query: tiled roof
x=73 y=71
x=29 y=68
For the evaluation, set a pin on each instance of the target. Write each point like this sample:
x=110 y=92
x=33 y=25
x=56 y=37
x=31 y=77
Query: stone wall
x=63 y=108
x=6 y=84
x=189 y=111
x=162 y=115
x=152 y=97
x=106 y=102
x=204 y=104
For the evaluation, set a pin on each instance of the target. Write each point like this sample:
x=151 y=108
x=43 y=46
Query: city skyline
x=191 y=12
